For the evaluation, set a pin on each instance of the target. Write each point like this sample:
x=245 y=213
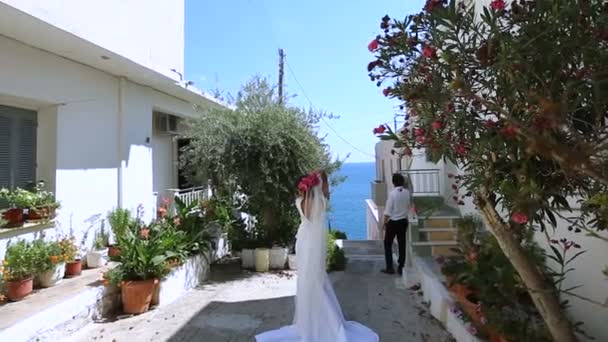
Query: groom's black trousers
x=395 y=228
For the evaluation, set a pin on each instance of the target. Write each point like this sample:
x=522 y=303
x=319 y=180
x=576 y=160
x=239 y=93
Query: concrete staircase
x=435 y=235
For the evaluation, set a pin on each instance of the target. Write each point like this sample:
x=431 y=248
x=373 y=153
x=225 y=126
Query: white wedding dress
x=318 y=316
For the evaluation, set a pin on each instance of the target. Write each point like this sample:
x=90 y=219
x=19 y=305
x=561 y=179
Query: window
x=17 y=147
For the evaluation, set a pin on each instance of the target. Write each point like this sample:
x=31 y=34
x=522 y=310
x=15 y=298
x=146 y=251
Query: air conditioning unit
x=167 y=124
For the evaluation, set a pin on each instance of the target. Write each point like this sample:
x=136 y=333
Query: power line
x=293 y=74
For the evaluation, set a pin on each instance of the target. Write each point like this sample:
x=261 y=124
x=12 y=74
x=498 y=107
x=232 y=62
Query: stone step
x=70 y=305
x=363 y=247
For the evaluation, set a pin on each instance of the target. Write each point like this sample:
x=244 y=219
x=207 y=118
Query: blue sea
x=348 y=200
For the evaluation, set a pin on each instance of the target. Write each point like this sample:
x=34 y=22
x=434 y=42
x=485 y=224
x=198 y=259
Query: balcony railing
x=192 y=195
x=425 y=181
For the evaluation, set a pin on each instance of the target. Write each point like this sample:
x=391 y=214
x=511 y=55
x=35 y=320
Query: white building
x=89 y=94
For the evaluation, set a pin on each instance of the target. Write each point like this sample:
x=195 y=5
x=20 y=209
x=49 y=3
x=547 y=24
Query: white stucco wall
x=587 y=274
x=150 y=33
x=83 y=143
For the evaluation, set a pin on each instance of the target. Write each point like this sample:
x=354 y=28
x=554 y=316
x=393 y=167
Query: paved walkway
x=236 y=305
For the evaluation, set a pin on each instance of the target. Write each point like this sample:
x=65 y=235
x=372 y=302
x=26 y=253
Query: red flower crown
x=308 y=182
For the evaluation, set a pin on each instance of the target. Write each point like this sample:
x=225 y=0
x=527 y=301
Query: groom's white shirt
x=398 y=204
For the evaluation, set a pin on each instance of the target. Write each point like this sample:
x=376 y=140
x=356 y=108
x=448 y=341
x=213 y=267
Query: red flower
x=437 y=125
x=380 y=129
x=373 y=46
x=418 y=132
x=509 y=132
x=432 y=4
x=451 y=107
x=489 y=124
x=387 y=91
x=407 y=151
x=498 y=5
x=421 y=139
x=450 y=175
x=429 y=52
x=308 y=182
x=454 y=186
x=373 y=64
x=460 y=149
x=519 y=218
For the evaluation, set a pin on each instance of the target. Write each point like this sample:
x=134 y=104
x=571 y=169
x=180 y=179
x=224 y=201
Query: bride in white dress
x=318 y=316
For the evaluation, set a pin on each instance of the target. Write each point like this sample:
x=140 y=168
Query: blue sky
x=229 y=41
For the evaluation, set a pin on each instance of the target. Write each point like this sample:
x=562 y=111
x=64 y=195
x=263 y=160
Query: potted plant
x=69 y=251
x=18 y=270
x=143 y=264
x=120 y=220
x=96 y=256
x=49 y=263
x=44 y=204
x=18 y=200
x=278 y=257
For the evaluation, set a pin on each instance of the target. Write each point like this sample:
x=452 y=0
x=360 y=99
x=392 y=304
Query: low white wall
x=182 y=279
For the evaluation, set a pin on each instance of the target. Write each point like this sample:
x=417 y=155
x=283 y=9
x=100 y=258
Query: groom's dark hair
x=398 y=179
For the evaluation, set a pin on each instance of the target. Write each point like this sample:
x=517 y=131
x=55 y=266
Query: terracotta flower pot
x=14 y=217
x=19 y=289
x=460 y=291
x=38 y=213
x=113 y=251
x=137 y=295
x=73 y=269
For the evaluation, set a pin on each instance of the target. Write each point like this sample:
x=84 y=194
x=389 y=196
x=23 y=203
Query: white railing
x=425 y=181
x=193 y=195
x=373 y=228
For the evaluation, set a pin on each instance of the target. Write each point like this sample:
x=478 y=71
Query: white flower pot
x=278 y=258
x=248 y=258
x=262 y=259
x=52 y=277
x=96 y=259
x=291 y=259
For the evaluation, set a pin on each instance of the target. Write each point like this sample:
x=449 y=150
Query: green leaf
x=557 y=254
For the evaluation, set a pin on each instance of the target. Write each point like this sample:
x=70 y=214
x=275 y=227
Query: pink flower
x=429 y=52
x=418 y=132
x=436 y=125
x=498 y=5
x=144 y=233
x=373 y=45
x=387 y=91
x=460 y=149
x=450 y=175
x=519 y=217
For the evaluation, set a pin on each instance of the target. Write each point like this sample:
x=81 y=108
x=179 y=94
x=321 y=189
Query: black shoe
x=388 y=271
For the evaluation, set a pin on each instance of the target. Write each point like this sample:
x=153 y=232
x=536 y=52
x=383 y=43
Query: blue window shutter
x=25 y=154
x=5 y=152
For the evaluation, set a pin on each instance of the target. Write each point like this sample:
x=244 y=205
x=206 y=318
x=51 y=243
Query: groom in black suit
x=395 y=222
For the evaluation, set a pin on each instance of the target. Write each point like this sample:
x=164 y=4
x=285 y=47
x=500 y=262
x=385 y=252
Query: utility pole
x=281 y=74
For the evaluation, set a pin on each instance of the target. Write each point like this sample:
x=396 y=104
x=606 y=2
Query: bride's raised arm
x=324 y=183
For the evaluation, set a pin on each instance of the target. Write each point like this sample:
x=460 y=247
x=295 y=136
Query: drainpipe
x=121 y=139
